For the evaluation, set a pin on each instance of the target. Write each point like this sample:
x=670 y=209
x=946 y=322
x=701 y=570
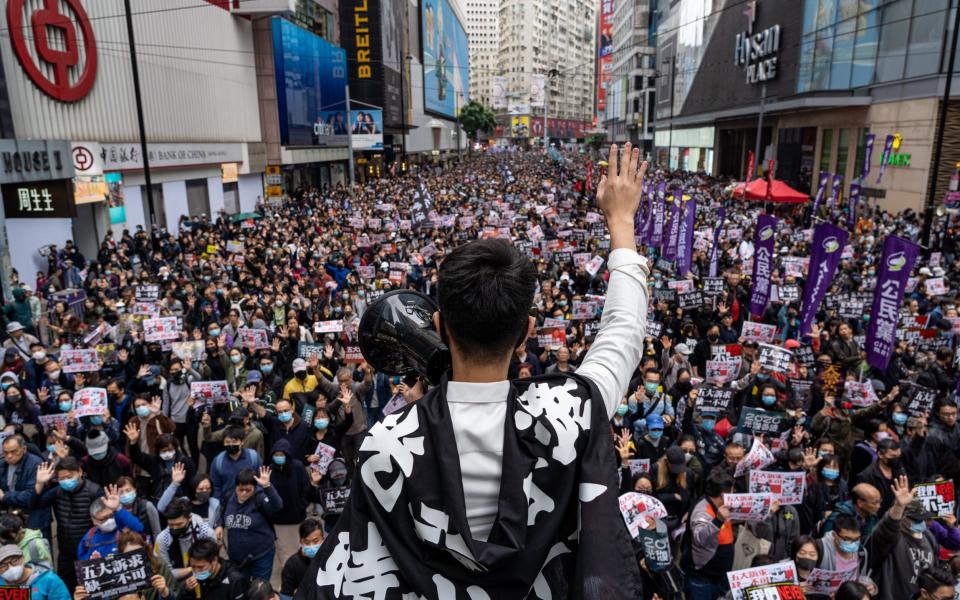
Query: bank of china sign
x=757 y=52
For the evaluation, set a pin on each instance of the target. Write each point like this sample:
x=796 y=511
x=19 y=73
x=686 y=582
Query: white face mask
x=108 y=526
x=13 y=574
x=55 y=374
x=168 y=455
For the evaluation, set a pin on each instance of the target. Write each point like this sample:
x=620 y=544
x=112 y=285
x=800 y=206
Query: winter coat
x=72 y=510
x=291 y=482
x=22 y=493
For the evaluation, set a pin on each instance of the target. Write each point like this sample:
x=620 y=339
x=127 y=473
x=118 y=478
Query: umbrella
x=757 y=190
x=244 y=216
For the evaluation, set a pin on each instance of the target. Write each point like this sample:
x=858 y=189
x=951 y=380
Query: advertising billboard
x=371 y=32
x=445 y=58
x=311 y=78
x=604 y=53
x=520 y=127
x=364 y=126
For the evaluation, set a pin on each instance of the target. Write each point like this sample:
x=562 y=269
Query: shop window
x=806 y=63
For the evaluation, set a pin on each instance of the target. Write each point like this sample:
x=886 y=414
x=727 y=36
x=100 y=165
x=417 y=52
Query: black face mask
x=178 y=532
x=301 y=375
x=232 y=449
x=892 y=463
x=684 y=387
x=805 y=564
x=713 y=337
x=203 y=497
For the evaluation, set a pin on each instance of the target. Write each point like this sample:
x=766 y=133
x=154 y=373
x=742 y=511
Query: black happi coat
x=558 y=534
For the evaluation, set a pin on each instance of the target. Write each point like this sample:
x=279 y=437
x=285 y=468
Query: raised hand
x=133 y=432
x=178 y=473
x=263 y=479
x=45 y=473
x=619 y=191
x=902 y=493
x=111 y=497
x=810 y=459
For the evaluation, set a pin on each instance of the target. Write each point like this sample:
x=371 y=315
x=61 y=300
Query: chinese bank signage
x=757 y=52
x=39 y=199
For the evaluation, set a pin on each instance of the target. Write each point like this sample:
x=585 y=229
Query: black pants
x=186 y=434
x=65 y=567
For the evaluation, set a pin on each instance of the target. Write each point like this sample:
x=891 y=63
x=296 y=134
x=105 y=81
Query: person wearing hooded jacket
x=104 y=465
x=289 y=478
x=16 y=572
x=246 y=522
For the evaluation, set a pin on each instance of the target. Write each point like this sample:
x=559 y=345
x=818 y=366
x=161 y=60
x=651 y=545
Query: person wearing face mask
x=212 y=578
x=270 y=379
x=19 y=408
x=239 y=417
x=176 y=399
x=234 y=459
x=825 y=488
x=42 y=583
x=920 y=458
x=184 y=528
x=302 y=382
x=109 y=518
x=142 y=509
x=103 y=464
x=234 y=365
x=330 y=491
x=884 y=471
x=247 y=522
x=652 y=444
x=71 y=499
x=285 y=425
x=649 y=399
x=805 y=554
x=326 y=432
x=310 y=533
x=902 y=546
x=289 y=478
x=34 y=370
x=710 y=446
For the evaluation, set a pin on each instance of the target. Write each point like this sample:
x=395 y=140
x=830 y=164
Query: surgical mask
x=918 y=526
x=266 y=369
x=143 y=411
x=769 y=400
x=168 y=455
x=651 y=387
x=849 y=547
x=285 y=417
x=821 y=453
x=108 y=526
x=96 y=420
x=51 y=448
x=321 y=424
x=899 y=418
x=762 y=377
x=279 y=460
x=68 y=485
x=13 y=574
x=128 y=498
x=54 y=375
x=622 y=409
x=687 y=457
x=5 y=385
x=38 y=356
x=655 y=434
x=65 y=406
x=98 y=455
x=236 y=358
x=202 y=575
x=830 y=474
x=708 y=424
x=311 y=550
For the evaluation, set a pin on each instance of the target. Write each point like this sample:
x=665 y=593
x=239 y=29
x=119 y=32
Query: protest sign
x=802 y=391
x=758 y=457
x=84 y=360
x=758 y=332
x=551 y=338
x=335 y=326
x=787 y=487
x=783 y=590
x=254 y=339
x=726 y=352
x=713 y=286
x=158 y=330
x=326 y=454
x=636 y=507
x=851 y=308
x=395 y=404
x=89 y=401
x=584 y=310
x=146 y=293
x=748 y=507
x=639 y=465
x=664 y=295
x=654 y=329
x=367 y=272
x=208 y=393
x=759 y=421
x=860 y=393
x=690 y=300
x=335 y=500
x=307 y=350
x=788 y=293
x=656 y=546
x=51 y=422
x=234 y=246
x=188 y=351
x=938 y=497
x=681 y=286
x=550 y=322
x=823 y=581
x=804 y=356
x=593 y=266
x=935 y=286
x=714 y=399
x=720 y=372
x=352 y=354
x=775 y=358
x=919 y=399
x=115 y=576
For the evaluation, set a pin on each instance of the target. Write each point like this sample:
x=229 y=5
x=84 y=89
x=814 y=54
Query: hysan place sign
x=757 y=53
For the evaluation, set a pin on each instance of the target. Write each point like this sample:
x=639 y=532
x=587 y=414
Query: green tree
x=475 y=117
x=594 y=141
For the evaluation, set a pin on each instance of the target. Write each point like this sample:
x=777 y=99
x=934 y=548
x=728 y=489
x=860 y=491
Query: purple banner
x=715 y=250
x=670 y=250
x=835 y=193
x=887 y=149
x=656 y=221
x=762 y=263
x=685 y=245
x=824 y=179
x=899 y=256
x=852 y=205
x=827 y=246
x=867 y=156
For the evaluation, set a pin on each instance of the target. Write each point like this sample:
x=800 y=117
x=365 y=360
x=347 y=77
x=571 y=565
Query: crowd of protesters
x=232 y=498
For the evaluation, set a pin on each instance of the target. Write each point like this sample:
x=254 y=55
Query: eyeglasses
x=10 y=562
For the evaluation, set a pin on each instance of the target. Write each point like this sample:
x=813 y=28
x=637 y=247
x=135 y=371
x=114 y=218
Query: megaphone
x=397 y=336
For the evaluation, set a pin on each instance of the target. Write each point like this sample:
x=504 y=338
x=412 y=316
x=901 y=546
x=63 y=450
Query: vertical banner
x=852 y=205
x=656 y=223
x=762 y=263
x=835 y=192
x=604 y=53
x=751 y=168
x=685 y=246
x=867 y=156
x=498 y=93
x=537 y=89
x=715 y=250
x=827 y=246
x=885 y=158
x=824 y=179
x=899 y=256
x=771 y=169
x=589 y=189
x=670 y=251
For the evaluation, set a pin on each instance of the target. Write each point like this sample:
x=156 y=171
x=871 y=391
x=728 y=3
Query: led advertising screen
x=364 y=126
x=311 y=78
x=445 y=58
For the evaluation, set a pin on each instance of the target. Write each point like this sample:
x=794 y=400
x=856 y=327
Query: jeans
x=260 y=568
x=704 y=589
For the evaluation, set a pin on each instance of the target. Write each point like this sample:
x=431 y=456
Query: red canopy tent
x=757 y=190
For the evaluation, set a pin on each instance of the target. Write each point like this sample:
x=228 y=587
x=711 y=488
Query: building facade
x=483 y=34
x=629 y=92
x=823 y=74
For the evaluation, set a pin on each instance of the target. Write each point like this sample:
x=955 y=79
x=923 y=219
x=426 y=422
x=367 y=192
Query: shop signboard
x=39 y=200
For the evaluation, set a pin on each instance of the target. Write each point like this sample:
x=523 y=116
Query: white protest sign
x=758 y=457
x=158 y=330
x=83 y=360
x=786 y=487
x=636 y=507
x=758 y=332
x=88 y=402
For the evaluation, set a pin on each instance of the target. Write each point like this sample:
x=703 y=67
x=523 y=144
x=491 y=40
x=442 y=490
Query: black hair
x=851 y=590
x=762 y=560
x=799 y=542
x=259 y=590
x=167 y=439
x=887 y=445
x=234 y=433
x=10 y=526
x=718 y=482
x=871 y=427
x=68 y=463
x=246 y=477
x=177 y=508
x=484 y=292
x=846 y=523
x=309 y=526
x=934 y=577
x=205 y=549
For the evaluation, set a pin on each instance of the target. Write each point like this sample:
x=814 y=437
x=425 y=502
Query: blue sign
x=311 y=79
x=446 y=63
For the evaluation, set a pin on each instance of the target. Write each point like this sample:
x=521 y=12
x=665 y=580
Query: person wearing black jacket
x=216 y=578
x=884 y=471
x=289 y=478
x=159 y=465
x=311 y=536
